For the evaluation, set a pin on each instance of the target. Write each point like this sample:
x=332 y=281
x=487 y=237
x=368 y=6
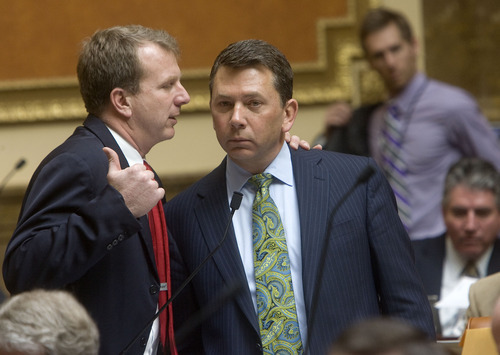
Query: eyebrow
x=253 y=94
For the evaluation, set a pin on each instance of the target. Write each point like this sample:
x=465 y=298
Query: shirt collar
x=130 y=153
x=457 y=259
x=405 y=98
x=280 y=168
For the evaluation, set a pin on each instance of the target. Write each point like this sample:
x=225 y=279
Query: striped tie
x=393 y=163
x=276 y=309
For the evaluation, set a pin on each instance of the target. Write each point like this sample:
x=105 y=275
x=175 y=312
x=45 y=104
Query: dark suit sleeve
x=66 y=224
x=353 y=137
x=399 y=286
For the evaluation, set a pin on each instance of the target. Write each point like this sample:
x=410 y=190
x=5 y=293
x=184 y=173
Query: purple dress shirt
x=442 y=124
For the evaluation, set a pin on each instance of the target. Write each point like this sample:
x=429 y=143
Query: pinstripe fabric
x=368 y=271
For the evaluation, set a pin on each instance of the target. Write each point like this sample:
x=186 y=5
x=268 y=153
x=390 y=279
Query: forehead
x=157 y=59
x=250 y=78
x=465 y=196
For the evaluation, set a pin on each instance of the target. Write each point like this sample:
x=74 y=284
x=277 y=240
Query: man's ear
x=289 y=114
x=120 y=101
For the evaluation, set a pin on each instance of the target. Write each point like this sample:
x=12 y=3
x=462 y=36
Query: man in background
x=419 y=132
x=286 y=220
x=470 y=247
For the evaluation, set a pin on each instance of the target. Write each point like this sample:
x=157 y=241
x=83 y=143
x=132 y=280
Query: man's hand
x=136 y=184
x=338 y=114
x=295 y=142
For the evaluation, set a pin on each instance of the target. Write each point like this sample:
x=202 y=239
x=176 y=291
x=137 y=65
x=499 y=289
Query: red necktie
x=158 y=227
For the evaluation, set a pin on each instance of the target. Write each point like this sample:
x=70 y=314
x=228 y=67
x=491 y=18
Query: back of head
x=109 y=60
x=384 y=336
x=375 y=336
x=47 y=322
x=379 y=18
x=475 y=174
x=254 y=53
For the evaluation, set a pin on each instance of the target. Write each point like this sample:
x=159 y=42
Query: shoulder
x=429 y=245
x=215 y=180
x=450 y=96
x=491 y=282
x=319 y=157
x=81 y=147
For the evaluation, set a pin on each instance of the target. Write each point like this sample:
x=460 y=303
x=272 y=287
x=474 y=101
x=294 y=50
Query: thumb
x=114 y=161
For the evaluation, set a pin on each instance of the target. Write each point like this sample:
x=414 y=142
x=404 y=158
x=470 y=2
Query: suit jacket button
x=109 y=247
x=144 y=341
x=115 y=242
x=153 y=289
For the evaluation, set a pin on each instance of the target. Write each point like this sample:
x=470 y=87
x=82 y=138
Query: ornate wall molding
x=330 y=77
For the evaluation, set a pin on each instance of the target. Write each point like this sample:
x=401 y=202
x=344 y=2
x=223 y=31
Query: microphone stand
x=6 y=179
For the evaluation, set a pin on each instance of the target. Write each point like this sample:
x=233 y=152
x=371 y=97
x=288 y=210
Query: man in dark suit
x=368 y=265
x=83 y=224
x=470 y=247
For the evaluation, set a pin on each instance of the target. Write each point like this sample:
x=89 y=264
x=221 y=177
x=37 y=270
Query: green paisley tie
x=278 y=323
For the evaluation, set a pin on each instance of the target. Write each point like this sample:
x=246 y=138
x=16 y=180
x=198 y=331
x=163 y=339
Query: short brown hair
x=251 y=53
x=109 y=60
x=379 y=18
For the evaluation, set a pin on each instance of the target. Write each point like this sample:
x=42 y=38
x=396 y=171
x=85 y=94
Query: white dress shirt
x=453 y=319
x=134 y=157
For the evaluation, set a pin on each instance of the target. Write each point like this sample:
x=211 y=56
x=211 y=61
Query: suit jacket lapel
x=312 y=185
x=212 y=214
x=99 y=129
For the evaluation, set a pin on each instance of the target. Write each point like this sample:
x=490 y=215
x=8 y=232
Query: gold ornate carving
x=336 y=74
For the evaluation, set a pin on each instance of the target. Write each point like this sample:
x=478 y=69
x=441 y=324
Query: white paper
x=459 y=296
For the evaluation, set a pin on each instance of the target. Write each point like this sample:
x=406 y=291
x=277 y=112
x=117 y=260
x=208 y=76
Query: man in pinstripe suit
x=368 y=265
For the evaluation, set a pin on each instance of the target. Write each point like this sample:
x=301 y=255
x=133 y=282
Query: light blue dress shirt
x=284 y=194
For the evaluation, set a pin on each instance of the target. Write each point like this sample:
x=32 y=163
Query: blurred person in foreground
x=43 y=322
x=385 y=336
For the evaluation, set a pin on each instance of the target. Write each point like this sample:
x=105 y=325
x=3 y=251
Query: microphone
x=364 y=176
x=234 y=205
x=18 y=166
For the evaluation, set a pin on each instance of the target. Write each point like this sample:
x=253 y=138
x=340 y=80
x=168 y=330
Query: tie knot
x=470 y=269
x=261 y=180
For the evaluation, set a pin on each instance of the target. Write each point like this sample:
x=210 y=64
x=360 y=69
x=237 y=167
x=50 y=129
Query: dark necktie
x=470 y=269
x=275 y=298
x=158 y=227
